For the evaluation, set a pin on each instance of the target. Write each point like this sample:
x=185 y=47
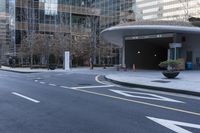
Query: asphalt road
x=82 y=103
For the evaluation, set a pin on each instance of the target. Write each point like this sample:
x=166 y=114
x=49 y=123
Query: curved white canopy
x=116 y=34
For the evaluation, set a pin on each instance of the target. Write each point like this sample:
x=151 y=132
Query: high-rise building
x=162 y=30
x=4 y=28
x=167 y=9
x=73 y=18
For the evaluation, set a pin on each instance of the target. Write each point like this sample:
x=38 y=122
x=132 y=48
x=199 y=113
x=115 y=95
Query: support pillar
x=123 y=53
x=173 y=48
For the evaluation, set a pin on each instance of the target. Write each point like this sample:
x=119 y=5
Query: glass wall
x=3 y=6
x=11 y=12
x=167 y=9
x=4 y=34
x=69 y=17
x=113 y=12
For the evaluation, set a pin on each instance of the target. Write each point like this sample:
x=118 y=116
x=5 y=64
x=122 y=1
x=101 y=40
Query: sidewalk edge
x=16 y=71
x=165 y=89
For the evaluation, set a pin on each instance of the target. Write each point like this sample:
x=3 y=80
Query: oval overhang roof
x=116 y=34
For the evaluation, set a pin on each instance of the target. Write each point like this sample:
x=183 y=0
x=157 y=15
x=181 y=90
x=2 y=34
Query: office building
x=163 y=30
x=34 y=23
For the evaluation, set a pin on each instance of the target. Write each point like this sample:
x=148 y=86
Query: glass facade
x=73 y=18
x=4 y=38
x=167 y=9
x=83 y=18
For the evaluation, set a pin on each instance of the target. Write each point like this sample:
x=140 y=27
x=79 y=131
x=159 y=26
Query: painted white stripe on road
x=25 y=97
x=104 y=83
x=88 y=87
x=52 y=84
x=97 y=79
x=141 y=102
x=36 y=80
x=42 y=82
x=65 y=87
x=143 y=95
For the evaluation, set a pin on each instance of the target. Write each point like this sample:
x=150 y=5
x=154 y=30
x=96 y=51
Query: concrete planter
x=170 y=74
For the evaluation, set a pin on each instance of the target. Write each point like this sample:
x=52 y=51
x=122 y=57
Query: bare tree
x=81 y=50
x=35 y=51
x=60 y=43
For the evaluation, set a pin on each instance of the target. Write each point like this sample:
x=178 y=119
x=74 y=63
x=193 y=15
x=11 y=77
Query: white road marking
x=104 y=83
x=162 y=92
x=97 y=79
x=175 y=125
x=65 y=87
x=42 y=82
x=36 y=80
x=25 y=97
x=142 y=95
x=88 y=87
x=52 y=84
x=140 y=102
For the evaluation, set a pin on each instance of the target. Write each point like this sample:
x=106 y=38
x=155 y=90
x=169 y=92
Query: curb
x=165 y=89
x=16 y=71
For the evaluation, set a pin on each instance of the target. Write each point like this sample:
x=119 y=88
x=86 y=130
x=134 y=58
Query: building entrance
x=146 y=53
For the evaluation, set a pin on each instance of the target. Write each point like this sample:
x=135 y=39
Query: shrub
x=170 y=64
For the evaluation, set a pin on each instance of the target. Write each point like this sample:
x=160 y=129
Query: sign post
x=67 y=61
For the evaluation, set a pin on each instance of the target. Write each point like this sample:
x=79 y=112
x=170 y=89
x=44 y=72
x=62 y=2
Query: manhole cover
x=84 y=84
x=161 y=81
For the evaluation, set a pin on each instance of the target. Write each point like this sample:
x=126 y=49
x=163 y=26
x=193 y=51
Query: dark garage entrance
x=146 y=53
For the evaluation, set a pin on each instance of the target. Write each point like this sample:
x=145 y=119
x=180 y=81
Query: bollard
x=125 y=68
x=133 y=67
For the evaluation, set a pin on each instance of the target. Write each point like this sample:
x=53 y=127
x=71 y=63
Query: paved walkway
x=28 y=70
x=187 y=82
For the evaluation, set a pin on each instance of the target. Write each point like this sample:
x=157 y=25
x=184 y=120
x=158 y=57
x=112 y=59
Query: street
x=54 y=102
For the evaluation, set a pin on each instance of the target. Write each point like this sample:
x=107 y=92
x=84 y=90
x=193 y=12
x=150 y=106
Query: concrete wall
x=191 y=43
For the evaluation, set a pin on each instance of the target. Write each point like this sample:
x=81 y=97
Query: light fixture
x=138 y=52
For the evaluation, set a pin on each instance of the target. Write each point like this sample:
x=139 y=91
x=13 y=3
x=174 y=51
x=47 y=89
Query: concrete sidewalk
x=188 y=82
x=28 y=70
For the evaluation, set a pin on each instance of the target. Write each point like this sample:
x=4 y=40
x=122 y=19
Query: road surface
x=84 y=103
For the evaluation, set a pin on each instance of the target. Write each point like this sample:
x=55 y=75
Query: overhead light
x=138 y=52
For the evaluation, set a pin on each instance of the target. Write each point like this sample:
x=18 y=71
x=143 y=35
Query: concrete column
x=168 y=54
x=123 y=53
x=175 y=46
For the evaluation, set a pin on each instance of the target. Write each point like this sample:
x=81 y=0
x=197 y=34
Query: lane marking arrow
x=174 y=125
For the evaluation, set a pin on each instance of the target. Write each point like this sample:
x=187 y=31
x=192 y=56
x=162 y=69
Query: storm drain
x=161 y=81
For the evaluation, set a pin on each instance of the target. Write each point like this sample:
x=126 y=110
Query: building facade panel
x=73 y=18
x=167 y=9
